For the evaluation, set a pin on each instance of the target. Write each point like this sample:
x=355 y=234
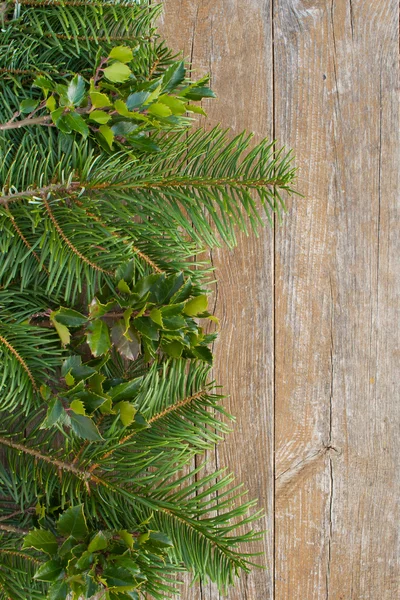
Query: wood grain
x=309 y=346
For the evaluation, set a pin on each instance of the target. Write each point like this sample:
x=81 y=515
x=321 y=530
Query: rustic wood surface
x=309 y=348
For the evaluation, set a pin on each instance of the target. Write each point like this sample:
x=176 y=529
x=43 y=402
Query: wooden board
x=309 y=348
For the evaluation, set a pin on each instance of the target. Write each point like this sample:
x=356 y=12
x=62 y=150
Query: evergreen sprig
x=106 y=202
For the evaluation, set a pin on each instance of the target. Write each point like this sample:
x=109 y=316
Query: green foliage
x=106 y=203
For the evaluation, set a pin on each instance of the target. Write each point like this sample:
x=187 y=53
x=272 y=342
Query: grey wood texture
x=309 y=345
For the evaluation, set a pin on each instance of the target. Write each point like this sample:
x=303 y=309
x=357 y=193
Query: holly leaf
x=42 y=540
x=84 y=427
x=126 y=412
x=78 y=407
x=196 y=305
x=173 y=76
x=76 y=123
x=122 y=53
x=50 y=571
x=28 y=105
x=117 y=72
x=99 y=542
x=99 y=116
x=62 y=330
x=126 y=390
x=160 y=110
x=125 y=341
x=76 y=90
x=58 y=591
x=107 y=134
x=137 y=99
x=69 y=317
x=54 y=412
x=146 y=327
x=73 y=523
x=99 y=100
x=98 y=337
x=118 y=577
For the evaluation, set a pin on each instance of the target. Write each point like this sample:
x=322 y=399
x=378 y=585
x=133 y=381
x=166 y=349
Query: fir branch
x=21 y=361
x=20 y=554
x=25 y=241
x=57 y=464
x=69 y=243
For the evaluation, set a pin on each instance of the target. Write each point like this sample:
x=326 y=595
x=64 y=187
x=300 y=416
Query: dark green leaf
x=74 y=365
x=76 y=123
x=73 y=522
x=203 y=353
x=118 y=577
x=98 y=337
x=28 y=105
x=76 y=90
x=54 y=412
x=84 y=427
x=126 y=342
x=58 y=591
x=41 y=539
x=126 y=390
x=174 y=75
x=137 y=99
x=50 y=571
x=69 y=317
x=99 y=542
x=146 y=327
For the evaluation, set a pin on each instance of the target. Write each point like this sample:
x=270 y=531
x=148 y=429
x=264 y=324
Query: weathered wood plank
x=232 y=41
x=337 y=302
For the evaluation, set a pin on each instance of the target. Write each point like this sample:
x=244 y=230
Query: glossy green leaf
x=28 y=105
x=174 y=349
x=98 y=337
x=156 y=316
x=76 y=90
x=49 y=571
x=62 y=330
x=69 y=317
x=54 y=412
x=118 y=577
x=146 y=327
x=173 y=76
x=136 y=100
x=176 y=106
x=76 y=123
x=99 y=542
x=196 y=109
x=42 y=540
x=84 y=427
x=73 y=523
x=126 y=390
x=129 y=348
x=57 y=591
x=73 y=364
